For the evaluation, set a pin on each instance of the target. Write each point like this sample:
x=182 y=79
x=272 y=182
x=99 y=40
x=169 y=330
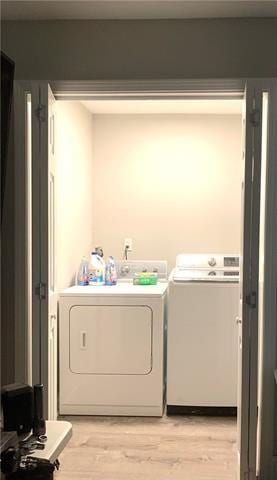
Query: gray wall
x=142 y=49
x=145 y=49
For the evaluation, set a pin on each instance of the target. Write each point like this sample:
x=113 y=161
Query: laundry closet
x=165 y=177
x=173 y=188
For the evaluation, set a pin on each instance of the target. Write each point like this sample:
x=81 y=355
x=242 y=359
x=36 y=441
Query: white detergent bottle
x=96 y=271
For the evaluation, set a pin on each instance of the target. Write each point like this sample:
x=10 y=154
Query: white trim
x=29 y=238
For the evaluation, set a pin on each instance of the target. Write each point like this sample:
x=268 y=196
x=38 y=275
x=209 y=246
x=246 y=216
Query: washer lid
x=121 y=289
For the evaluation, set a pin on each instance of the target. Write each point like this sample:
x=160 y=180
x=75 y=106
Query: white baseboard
x=136 y=411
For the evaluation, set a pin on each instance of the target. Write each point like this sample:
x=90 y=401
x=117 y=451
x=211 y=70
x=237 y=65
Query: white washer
x=112 y=346
x=202 y=333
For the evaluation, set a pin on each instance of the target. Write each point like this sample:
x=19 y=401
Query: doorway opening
x=167 y=175
x=159 y=174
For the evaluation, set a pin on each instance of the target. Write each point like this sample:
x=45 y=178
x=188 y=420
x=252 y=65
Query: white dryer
x=202 y=334
x=111 y=341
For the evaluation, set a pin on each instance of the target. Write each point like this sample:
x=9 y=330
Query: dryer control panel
x=126 y=269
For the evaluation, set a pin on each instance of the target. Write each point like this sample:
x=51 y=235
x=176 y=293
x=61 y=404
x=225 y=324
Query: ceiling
x=226 y=107
x=134 y=9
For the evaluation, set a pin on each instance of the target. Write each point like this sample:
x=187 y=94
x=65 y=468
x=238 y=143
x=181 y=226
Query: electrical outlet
x=128 y=243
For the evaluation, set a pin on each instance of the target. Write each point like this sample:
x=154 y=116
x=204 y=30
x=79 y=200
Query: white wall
x=74 y=140
x=170 y=182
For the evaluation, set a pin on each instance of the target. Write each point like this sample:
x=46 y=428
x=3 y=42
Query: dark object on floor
x=202 y=411
x=17 y=402
x=9 y=452
x=34 y=469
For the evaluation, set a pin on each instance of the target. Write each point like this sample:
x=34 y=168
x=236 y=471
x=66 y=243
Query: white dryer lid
x=121 y=289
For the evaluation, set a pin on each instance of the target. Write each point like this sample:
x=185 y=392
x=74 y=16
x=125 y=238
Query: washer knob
x=124 y=270
x=212 y=262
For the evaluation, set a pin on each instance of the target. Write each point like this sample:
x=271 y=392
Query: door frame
x=22 y=349
x=206 y=88
x=21 y=240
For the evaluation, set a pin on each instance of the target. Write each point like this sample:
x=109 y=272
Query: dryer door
x=110 y=340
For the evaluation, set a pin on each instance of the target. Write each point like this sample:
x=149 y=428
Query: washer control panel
x=200 y=260
x=231 y=262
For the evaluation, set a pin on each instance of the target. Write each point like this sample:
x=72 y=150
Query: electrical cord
x=125 y=255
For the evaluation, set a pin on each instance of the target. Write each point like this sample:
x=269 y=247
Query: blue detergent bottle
x=82 y=274
x=111 y=275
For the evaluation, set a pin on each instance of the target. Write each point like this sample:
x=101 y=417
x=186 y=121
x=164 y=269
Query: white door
x=52 y=292
x=266 y=440
x=110 y=340
x=254 y=124
x=44 y=240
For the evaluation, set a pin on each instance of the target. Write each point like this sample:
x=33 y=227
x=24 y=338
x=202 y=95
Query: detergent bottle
x=111 y=276
x=96 y=271
x=82 y=274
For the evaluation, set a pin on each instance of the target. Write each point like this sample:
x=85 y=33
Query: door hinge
x=41 y=291
x=41 y=112
x=251 y=299
x=255 y=117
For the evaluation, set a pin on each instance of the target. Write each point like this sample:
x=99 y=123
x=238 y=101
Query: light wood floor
x=168 y=448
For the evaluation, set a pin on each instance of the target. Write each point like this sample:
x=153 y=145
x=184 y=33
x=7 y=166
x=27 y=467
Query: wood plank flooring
x=134 y=448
